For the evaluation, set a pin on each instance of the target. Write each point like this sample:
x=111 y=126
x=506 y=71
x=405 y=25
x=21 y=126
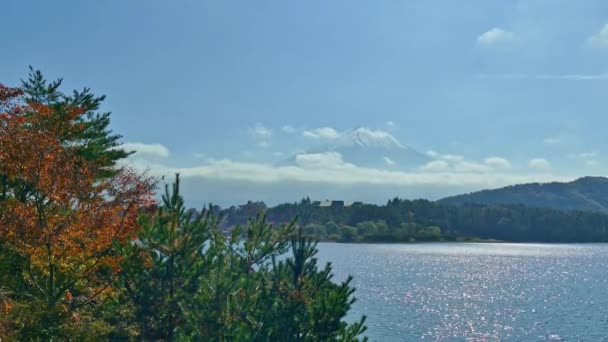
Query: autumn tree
x=57 y=214
x=93 y=140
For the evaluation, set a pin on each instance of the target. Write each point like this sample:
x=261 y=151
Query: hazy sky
x=236 y=94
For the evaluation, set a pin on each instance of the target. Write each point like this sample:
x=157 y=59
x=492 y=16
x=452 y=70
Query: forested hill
x=421 y=220
x=551 y=212
x=585 y=194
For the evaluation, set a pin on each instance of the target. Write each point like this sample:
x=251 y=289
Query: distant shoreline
x=480 y=241
x=471 y=240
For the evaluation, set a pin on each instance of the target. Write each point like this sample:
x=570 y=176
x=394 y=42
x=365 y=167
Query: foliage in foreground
x=187 y=280
x=61 y=212
x=84 y=255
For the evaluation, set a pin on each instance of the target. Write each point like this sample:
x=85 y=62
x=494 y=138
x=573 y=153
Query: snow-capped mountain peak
x=366 y=137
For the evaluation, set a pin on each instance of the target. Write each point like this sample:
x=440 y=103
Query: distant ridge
x=586 y=194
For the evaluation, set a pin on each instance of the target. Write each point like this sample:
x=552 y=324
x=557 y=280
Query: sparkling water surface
x=476 y=292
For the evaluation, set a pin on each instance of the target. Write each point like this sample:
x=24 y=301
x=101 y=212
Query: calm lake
x=477 y=292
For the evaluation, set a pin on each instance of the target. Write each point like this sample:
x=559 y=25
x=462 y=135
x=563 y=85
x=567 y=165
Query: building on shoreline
x=335 y=204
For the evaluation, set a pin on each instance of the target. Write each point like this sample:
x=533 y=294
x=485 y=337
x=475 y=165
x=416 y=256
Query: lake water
x=477 y=292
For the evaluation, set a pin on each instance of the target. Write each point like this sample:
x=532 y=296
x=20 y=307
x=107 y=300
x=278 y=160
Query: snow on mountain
x=366 y=147
x=365 y=137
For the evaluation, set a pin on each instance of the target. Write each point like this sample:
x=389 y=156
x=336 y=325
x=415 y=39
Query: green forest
x=585 y=194
x=88 y=253
x=403 y=220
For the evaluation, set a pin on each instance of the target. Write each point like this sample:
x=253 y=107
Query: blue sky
x=244 y=97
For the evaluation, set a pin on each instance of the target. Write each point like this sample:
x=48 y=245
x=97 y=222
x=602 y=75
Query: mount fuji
x=371 y=148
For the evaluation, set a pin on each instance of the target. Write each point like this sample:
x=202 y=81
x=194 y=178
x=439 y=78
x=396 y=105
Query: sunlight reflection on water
x=477 y=292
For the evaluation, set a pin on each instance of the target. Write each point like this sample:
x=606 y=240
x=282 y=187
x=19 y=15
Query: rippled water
x=477 y=292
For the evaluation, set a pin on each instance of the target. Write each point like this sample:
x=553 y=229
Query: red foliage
x=53 y=209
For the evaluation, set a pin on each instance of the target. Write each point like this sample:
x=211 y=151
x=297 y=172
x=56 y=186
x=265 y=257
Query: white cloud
x=369 y=137
x=362 y=136
x=495 y=36
x=390 y=124
x=600 y=39
x=588 y=155
x=436 y=166
x=451 y=157
x=539 y=164
x=497 y=163
x=551 y=141
x=458 y=163
x=327 y=160
x=388 y=161
x=288 y=129
x=156 y=150
x=432 y=154
x=330 y=168
x=261 y=134
x=331 y=172
x=467 y=166
x=325 y=133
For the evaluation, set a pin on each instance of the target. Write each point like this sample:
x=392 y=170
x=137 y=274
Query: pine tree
x=163 y=268
x=190 y=281
x=94 y=140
